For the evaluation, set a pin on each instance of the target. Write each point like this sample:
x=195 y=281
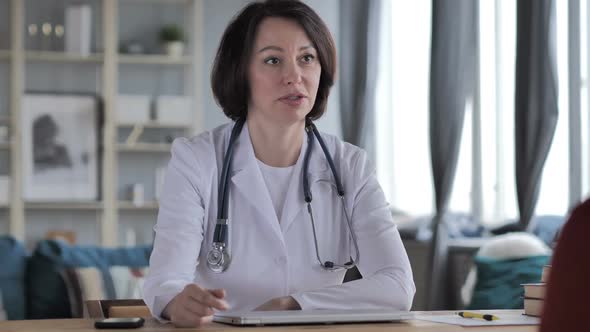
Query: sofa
x=56 y=278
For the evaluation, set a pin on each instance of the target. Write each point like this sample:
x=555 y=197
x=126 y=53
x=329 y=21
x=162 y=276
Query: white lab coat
x=272 y=257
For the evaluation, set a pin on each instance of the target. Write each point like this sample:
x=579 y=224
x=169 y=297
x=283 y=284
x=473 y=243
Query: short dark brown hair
x=229 y=76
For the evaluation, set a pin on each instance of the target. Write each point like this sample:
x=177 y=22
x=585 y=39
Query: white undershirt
x=277 y=182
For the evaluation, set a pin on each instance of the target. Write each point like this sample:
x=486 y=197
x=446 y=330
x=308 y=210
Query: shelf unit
x=109 y=61
x=154 y=60
x=153 y=125
x=63 y=206
x=49 y=56
x=144 y=147
x=147 y=206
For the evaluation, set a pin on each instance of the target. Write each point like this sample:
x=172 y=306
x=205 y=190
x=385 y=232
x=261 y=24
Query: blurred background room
x=475 y=114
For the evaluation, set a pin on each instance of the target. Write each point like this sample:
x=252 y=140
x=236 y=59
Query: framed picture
x=60 y=147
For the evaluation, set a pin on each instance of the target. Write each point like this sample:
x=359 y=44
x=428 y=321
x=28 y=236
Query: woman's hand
x=194 y=306
x=280 y=303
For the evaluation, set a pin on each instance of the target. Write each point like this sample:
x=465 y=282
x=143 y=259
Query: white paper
x=505 y=319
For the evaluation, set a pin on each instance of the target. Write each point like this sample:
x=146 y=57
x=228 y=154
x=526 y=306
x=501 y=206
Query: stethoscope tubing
x=218 y=258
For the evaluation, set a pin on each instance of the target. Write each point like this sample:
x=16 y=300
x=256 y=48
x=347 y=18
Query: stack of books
x=534 y=294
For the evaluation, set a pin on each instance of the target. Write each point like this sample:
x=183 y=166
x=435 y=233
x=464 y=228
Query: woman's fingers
x=188 y=319
x=194 y=306
x=218 y=293
x=197 y=308
x=207 y=298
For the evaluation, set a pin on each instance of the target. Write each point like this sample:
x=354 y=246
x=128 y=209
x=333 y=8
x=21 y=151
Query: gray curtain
x=452 y=80
x=535 y=99
x=359 y=51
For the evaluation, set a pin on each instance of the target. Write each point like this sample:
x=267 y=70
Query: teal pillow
x=499 y=282
x=13 y=262
x=48 y=296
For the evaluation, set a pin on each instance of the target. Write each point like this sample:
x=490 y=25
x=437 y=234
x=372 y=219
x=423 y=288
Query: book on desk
x=534 y=294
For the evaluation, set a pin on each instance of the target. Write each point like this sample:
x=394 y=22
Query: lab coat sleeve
x=387 y=276
x=178 y=231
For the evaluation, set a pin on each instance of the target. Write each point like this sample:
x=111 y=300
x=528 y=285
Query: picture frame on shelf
x=60 y=139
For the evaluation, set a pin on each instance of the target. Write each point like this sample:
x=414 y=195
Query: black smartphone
x=119 y=323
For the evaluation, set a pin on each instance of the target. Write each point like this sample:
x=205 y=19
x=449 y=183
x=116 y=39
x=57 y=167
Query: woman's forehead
x=278 y=32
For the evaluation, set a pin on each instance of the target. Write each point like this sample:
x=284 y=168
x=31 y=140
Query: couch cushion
x=499 y=281
x=13 y=260
x=48 y=295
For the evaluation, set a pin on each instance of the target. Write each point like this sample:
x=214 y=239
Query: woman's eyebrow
x=279 y=49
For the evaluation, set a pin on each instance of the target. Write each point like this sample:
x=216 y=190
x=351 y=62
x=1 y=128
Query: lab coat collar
x=247 y=178
x=294 y=199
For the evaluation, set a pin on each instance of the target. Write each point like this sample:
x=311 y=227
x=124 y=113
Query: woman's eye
x=308 y=58
x=272 y=61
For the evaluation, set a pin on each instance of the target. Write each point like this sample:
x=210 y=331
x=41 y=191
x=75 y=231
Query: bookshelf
x=120 y=162
x=50 y=56
x=154 y=60
x=144 y=147
x=64 y=206
x=147 y=206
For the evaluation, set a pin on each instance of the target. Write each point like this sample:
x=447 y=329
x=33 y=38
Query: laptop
x=310 y=317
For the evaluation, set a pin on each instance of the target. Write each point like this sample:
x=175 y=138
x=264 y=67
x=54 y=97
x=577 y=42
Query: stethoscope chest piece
x=218 y=258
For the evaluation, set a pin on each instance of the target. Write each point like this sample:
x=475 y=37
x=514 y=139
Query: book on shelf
x=533 y=307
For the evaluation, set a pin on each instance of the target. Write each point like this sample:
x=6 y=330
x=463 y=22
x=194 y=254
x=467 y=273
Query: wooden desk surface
x=87 y=325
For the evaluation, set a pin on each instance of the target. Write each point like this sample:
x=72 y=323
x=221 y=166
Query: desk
x=87 y=325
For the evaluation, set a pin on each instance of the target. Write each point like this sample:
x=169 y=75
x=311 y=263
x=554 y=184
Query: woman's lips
x=293 y=100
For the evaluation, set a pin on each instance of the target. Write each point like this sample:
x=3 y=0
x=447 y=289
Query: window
x=403 y=148
x=403 y=159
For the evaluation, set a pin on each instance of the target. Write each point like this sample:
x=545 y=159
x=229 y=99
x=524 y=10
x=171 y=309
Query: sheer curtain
x=403 y=162
x=403 y=158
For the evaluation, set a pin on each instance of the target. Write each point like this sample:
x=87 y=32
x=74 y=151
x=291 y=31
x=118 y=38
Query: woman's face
x=284 y=72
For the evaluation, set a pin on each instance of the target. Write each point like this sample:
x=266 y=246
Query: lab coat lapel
x=248 y=181
x=294 y=200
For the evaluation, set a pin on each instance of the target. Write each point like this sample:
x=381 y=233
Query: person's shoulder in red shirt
x=567 y=301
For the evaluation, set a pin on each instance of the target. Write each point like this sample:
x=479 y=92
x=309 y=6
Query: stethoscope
x=219 y=258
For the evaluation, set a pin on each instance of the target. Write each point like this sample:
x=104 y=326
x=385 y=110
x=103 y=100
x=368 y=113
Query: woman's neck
x=276 y=146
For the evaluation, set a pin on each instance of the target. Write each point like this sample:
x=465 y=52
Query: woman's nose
x=292 y=74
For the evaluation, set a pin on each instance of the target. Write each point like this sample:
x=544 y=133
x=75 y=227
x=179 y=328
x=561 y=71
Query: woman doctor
x=293 y=210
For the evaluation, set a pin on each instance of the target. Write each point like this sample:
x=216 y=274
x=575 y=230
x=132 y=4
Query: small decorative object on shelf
x=4 y=189
x=132 y=109
x=3 y=134
x=174 y=110
x=33 y=31
x=172 y=38
x=79 y=29
x=46 y=29
x=136 y=194
x=58 y=42
x=160 y=174
x=132 y=47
